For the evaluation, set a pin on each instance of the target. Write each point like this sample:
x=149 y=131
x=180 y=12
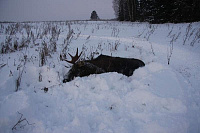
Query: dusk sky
x=47 y=10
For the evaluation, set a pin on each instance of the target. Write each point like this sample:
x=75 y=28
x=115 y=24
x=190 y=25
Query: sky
x=54 y=10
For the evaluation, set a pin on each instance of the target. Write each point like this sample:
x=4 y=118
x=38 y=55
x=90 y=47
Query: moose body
x=117 y=64
x=103 y=64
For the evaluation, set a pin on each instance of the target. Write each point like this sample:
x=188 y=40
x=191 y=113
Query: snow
x=157 y=98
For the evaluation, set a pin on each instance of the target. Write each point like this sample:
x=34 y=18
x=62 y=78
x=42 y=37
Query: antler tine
x=76 y=53
x=70 y=55
x=74 y=58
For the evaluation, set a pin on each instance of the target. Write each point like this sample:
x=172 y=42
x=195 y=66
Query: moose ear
x=81 y=63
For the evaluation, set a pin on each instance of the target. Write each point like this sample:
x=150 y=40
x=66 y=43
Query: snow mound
x=109 y=102
x=157 y=98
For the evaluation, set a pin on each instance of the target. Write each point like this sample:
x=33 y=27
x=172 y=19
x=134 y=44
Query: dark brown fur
x=103 y=64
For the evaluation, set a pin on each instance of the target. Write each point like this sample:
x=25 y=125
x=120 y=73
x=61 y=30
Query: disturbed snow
x=157 y=98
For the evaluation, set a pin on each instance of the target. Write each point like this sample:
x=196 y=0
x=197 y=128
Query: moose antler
x=74 y=58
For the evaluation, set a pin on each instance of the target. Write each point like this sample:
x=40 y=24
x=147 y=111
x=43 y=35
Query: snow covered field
x=162 y=97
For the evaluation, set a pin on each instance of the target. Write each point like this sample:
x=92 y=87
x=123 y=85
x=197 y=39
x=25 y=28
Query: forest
x=157 y=11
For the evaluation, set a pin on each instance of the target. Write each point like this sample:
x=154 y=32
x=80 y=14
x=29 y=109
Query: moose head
x=101 y=64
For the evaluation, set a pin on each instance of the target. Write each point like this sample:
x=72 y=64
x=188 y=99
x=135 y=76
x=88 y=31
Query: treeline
x=157 y=11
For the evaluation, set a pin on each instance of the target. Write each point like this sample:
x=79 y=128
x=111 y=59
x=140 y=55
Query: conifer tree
x=157 y=11
x=94 y=16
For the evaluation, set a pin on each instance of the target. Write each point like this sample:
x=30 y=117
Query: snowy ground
x=157 y=98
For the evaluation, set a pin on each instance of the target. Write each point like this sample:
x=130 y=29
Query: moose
x=101 y=64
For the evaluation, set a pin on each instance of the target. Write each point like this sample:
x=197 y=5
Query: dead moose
x=101 y=64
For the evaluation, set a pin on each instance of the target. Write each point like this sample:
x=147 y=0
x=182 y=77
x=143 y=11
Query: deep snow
x=157 y=98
